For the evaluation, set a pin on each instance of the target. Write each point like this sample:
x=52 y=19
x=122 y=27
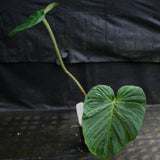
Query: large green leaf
x=34 y=19
x=110 y=123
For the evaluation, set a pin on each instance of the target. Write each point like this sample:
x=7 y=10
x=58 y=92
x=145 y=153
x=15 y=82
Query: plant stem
x=60 y=58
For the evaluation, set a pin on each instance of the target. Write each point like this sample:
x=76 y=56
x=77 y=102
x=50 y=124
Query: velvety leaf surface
x=110 y=123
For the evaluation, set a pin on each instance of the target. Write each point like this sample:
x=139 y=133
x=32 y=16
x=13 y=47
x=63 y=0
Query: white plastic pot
x=79 y=109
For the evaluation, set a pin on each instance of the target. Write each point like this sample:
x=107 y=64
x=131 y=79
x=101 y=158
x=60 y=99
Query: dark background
x=102 y=42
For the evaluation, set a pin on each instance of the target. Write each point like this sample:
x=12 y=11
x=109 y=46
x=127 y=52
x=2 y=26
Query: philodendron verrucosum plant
x=109 y=122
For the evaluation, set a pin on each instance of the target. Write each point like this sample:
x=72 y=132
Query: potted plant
x=109 y=122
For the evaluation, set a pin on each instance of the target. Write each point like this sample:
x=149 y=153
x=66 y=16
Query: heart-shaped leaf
x=34 y=19
x=110 y=123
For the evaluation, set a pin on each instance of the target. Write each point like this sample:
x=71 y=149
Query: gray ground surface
x=48 y=135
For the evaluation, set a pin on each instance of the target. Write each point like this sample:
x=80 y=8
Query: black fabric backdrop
x=45 y=86
x=109 y=42
x=86 y=31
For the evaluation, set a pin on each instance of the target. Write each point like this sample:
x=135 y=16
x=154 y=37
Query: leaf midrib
x=110 y=123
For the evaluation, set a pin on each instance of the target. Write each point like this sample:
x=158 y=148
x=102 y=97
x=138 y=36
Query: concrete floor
x=50 y=135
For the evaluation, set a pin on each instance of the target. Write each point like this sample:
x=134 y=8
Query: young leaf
x=34 y=19
x=31 y=21
x=110 y=123
x=50 y=7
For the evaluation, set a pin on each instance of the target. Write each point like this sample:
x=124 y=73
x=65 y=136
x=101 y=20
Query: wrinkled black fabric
x=116 y=32
x=86 y=31
x=45 y=86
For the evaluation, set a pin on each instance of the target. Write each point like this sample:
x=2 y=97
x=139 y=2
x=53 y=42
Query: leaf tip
x=50 y=7
x=11 y=34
